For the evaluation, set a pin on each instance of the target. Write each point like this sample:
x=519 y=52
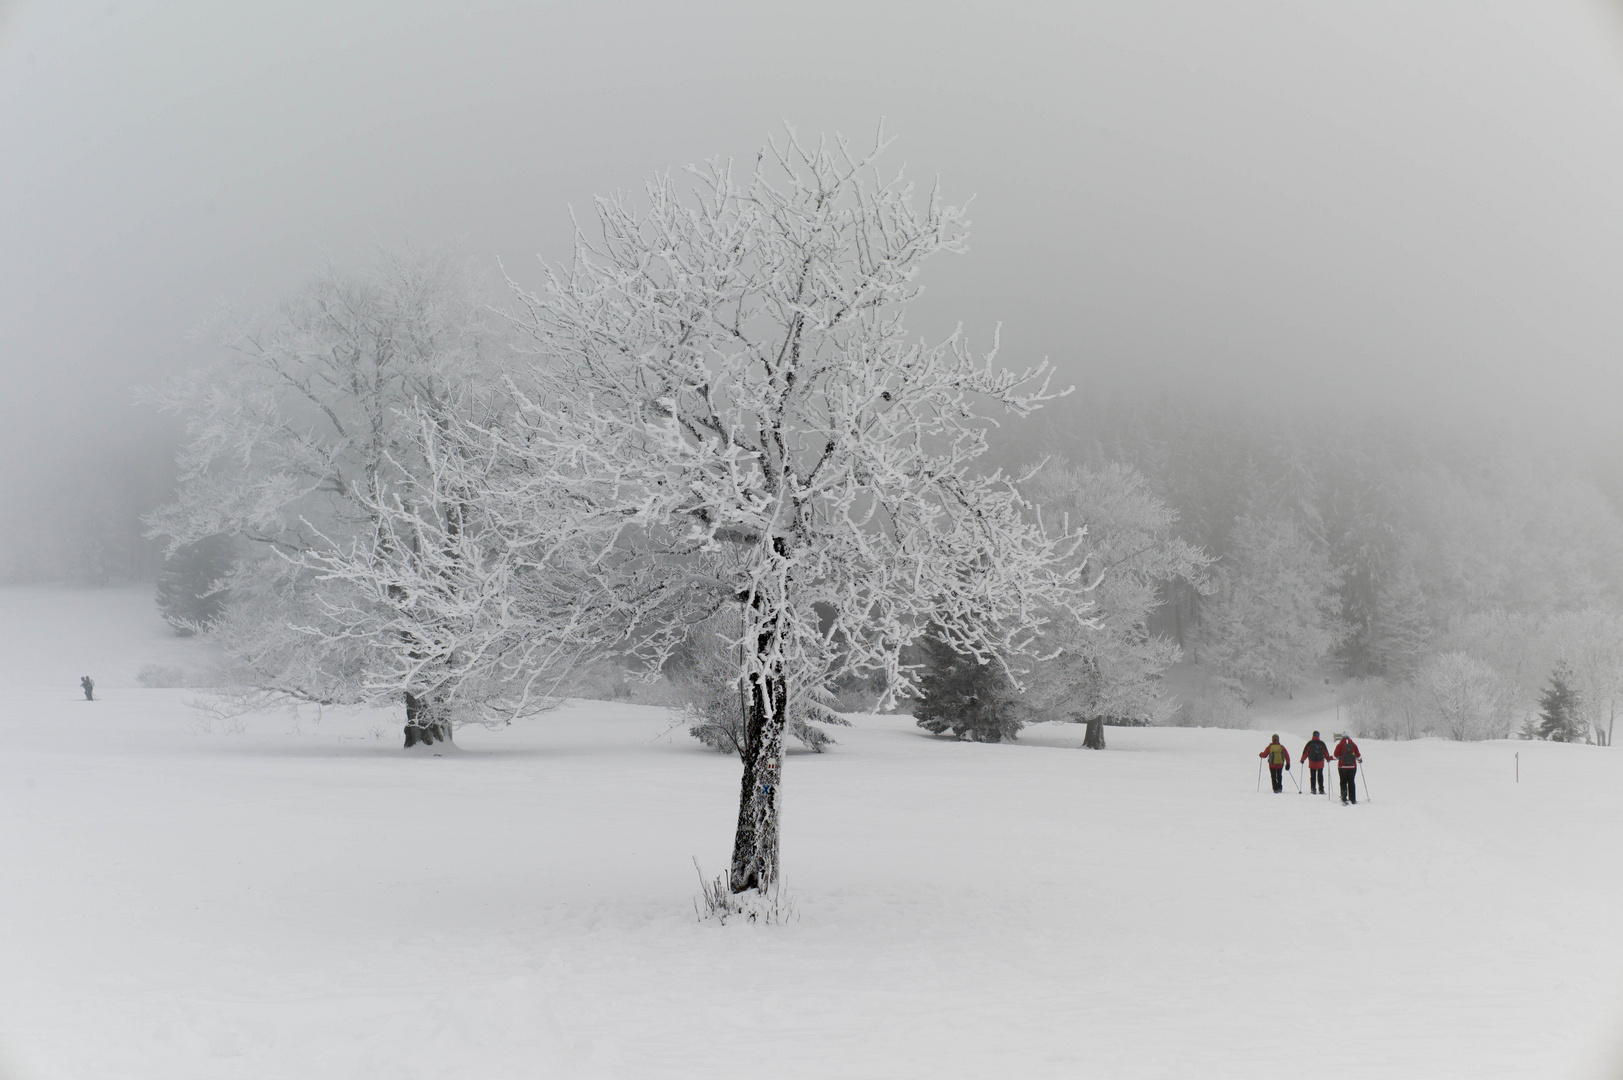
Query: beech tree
x=1110 y=667
x=729 y=413
x=296 y=435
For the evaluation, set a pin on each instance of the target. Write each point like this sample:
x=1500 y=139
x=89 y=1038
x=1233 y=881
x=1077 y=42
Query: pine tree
x=1558 y=708
x=975 y=700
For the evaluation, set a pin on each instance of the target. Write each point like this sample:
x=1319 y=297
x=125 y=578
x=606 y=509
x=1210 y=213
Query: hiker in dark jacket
x=1279 y=759
x=1315 y=753
x=1347 y=759
x=88 y=685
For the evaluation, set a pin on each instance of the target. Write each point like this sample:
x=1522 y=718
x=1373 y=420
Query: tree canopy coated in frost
x=1110 y=668
x=296 y=435
x=727 y=411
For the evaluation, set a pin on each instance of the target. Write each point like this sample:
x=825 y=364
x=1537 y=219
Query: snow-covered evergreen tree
x=1558 y=708
x=971 y=697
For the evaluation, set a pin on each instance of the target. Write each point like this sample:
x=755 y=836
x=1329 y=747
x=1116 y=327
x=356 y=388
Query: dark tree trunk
x=755 y=845
x=425 y=722
x=1094 y=739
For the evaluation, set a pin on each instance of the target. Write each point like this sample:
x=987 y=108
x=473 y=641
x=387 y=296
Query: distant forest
x=1448 y=571
x=78 y=517
x=1452 y=578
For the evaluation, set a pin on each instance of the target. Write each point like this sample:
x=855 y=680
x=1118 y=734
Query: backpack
x=1277 y=754
x=1348 y=755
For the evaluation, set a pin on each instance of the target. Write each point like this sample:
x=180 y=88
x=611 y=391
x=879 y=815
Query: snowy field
x=302 y=899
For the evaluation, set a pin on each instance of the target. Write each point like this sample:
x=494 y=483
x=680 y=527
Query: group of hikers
x=1316 y=754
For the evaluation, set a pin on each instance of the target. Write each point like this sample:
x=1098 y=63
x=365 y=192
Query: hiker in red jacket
x=1347 y=759
x=1279 y=759
x=1315 y=753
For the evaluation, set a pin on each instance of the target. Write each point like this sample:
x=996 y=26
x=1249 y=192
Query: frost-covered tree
x=1110 y=667
x=732 y=414
x=733 y=379
x=1276 y=614
x=298 y=432
x=1517 y=645
x=1466 y=698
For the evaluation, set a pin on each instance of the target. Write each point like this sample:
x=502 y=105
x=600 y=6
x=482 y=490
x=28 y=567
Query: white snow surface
x=303 y=899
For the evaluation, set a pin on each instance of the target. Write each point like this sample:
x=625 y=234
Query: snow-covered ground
x=302 y=899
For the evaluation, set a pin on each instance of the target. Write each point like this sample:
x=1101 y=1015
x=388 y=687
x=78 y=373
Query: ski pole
x=1295 y=781
x=1259 y=777
x=1365 y=774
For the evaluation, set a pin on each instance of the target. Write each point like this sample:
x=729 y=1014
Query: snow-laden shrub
x=1215 y=704
x=163 y=676
x=604 y=680
x=705 y=678
x=722 y=728
x=1377 y=708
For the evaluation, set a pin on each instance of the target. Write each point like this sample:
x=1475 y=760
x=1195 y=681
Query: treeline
x=1447 y=573
x=1448 y=579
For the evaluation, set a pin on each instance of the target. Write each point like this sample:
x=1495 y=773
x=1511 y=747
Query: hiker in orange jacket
x=1279 y=759
x=1315 y=753
x=1347 y=761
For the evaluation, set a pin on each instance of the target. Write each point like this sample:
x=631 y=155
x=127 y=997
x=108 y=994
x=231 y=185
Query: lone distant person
x=1315 y=753
x=1347 y=759
x=89 y=686
x=1279 y=759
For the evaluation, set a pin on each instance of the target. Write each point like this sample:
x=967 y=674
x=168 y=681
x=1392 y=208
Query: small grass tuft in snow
x=717 y=902
x=206 y=722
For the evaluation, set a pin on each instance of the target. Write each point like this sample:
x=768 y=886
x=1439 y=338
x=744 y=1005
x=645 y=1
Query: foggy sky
x=1388 y=200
